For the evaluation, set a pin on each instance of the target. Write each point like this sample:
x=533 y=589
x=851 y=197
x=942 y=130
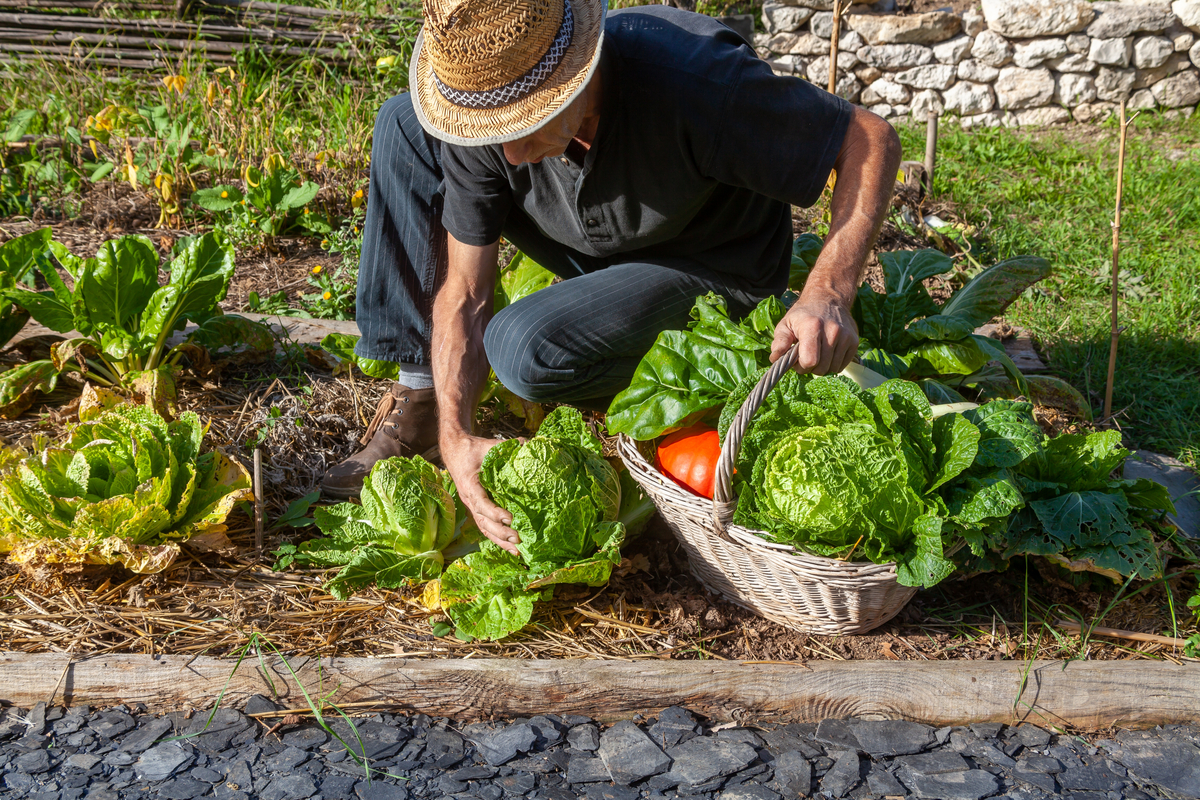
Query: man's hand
x=822 y=325
x=463 y=456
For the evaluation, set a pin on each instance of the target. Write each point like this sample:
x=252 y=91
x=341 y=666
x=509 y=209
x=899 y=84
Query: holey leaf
x=20 y=385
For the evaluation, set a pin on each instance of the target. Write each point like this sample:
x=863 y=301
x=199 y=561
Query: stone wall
x=1019 y=62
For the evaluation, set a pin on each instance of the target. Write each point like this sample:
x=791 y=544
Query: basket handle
x=723 y=503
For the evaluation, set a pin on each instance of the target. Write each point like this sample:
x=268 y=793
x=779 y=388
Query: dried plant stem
x=1117 y=633
x=258 y=500
x=1116 y=249
x=931 y=135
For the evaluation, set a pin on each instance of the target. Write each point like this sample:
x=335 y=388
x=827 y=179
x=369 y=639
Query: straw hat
x=491 y=71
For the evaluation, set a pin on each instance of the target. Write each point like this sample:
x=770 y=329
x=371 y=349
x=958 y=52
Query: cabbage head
x=394 y=538
x=840 y=471
x=565 y=499
x=126 y=488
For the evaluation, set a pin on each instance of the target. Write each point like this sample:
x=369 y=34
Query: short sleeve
x=779 y=136
x=477 y=195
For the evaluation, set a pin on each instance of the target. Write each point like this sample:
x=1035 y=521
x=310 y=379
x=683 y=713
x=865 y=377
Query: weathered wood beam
x=1087 y=695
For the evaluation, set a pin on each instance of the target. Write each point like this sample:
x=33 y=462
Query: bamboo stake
x=258 y=500
x=833 y=44
x=931 y=135
x=1117 y=633
x=1116 y=245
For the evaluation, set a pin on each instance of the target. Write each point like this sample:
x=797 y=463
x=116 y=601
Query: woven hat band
x=522 y=86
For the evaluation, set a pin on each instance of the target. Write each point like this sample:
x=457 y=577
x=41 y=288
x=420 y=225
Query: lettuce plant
x=565 y=499
x=396 y=537
x=836 y=470
x=125 y=316
x=126 y=488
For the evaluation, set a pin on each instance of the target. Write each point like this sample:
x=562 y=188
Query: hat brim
x=482 y=126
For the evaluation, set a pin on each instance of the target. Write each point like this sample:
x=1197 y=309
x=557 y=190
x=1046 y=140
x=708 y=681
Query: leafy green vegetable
x=124 y=315
x=834 y=469
x=396 y=537
x=565 y=499
x=906 y=334
x=127 y=488
x=17 y=258
x=521 y=277
x=341 y=346
x=690 y=374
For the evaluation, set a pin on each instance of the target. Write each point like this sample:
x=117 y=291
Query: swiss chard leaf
x=990 y=292
x=119 y=285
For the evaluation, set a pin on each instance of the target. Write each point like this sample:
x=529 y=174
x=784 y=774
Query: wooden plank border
x=1089 y=695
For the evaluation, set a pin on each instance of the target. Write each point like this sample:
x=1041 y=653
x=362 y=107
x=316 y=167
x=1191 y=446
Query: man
x=645 y=156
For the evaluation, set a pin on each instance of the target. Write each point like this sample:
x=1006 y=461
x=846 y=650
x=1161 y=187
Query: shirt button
x=565 y=161
x=591 y=223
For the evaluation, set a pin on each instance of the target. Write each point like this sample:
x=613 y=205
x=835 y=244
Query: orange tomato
x=689 y=457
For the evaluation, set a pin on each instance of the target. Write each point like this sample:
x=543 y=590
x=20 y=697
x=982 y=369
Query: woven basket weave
x=804 y=592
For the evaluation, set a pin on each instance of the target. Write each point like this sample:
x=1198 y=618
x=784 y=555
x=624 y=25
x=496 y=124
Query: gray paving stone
x=892 y=737
x=1041 y=780
x=1180 y=481
x=935 y=763
x=82 y=761
x=843 y=775
x=310 y=737
x=286 y=760
x=793 y=737
x=1032 y=736
x=1095 y=778
x=111 y=724
x=149 y=732
x=989 y=753
x=547 y=730
x=1051 y=766
x=744 y=735
x=584 y=737
x=184 y=789
x=502 y=745
x=748 y=791
x=986 y=730
x=160 y=762
x=837 y=733
x=206 y=774
x=882 y=783
x=610 y=792
x=18 y=782
x=701 y=759
x=378 y=790
x=258 y=704
x=338 y=787
x=475 y=772
x=970 y=785
x=35 y=720
x=34 y=763
x=1171 y=765
x=793 y=774
x=517 y=785
x=674 y=726
x=586 y=769
x=630 y=754
x=12 y=722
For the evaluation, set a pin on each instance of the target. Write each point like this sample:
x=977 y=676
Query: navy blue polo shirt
x=700 y=151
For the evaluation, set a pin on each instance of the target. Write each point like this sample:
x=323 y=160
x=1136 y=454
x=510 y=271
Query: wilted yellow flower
x=175 y=83
x=94 y=153
x=210 y=93
x=327 y=295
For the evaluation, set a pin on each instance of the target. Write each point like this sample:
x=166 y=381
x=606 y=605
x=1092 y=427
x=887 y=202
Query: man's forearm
x=866 y=174
x=461 y=310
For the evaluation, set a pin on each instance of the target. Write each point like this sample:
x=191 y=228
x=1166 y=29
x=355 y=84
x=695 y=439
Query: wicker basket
x=804 y=592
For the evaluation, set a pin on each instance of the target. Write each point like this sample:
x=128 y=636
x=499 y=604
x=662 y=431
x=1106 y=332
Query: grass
x=1051 y=193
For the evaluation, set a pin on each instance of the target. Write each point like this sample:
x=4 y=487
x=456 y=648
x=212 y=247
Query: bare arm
x=461 y=310
x=820 y=320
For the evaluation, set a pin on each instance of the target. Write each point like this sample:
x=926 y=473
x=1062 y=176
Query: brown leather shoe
x=405 y=424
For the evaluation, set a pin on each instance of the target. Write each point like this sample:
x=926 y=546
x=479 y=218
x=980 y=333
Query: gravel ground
x=123 y=752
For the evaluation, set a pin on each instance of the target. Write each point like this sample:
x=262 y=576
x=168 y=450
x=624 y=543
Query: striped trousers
x=577 y=341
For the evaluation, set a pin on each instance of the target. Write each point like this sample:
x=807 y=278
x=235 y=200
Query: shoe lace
x=382 y=412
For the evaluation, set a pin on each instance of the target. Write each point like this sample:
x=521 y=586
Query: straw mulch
x=304 y=420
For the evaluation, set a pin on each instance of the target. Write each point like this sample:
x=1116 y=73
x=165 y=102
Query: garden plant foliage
x=128 y=488
x=565 y=499
x=396 y=537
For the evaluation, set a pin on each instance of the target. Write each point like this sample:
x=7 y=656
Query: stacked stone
x=1018 y=63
